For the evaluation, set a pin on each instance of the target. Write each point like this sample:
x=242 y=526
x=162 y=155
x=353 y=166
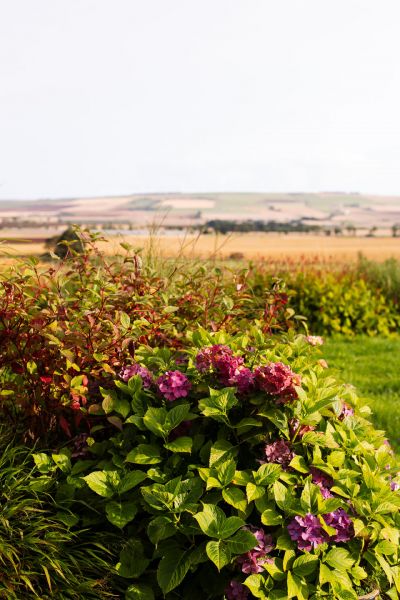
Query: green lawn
x=372 y=365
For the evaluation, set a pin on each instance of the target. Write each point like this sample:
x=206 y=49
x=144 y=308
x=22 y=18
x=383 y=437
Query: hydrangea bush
x=237 y=469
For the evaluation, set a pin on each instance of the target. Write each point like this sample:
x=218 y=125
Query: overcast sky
x=105 y=97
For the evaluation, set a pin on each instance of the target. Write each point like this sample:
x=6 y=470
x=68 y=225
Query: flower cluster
x=236 y=591
x=315 y=340
x=277 y=379
x=253 y=561
x=173 y=385
x=279 y=452
x=308 y=531
x=323 y=481
x=136 y=369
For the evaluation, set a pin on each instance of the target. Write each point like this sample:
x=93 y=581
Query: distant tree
x=395 y=229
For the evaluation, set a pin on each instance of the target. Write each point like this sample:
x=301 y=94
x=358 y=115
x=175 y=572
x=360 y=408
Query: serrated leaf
x=305 y=565
x=271 y=518
x=160 y=528
x=139 y=591
x=181 y=444
x=235 y=498
x=218 y=553
x=243 y=541
x=121 y=513
x=339 y=559
x=172 y=569
x=130 y=480
x=254 y=492
x=144 y=454
x=98 y=481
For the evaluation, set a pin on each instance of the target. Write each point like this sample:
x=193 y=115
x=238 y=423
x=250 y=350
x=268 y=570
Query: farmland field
x=249 y=245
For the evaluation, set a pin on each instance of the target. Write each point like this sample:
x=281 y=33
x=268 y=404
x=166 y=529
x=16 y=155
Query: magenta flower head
x=221 y=360
x=307 y=532
x=277 y=379
x=340 y=520
x=323 y=481
x=136 y=369
x=244 y=380
x=279 y=452
x=174 y=385
x=236 y=591
x=253 y=561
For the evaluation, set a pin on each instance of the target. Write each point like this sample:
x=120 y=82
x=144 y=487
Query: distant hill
x=181 y=209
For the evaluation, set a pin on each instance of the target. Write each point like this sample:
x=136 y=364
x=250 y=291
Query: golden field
x=248 y=246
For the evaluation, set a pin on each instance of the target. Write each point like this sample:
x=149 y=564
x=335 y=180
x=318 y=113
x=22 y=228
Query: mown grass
x=372 y=365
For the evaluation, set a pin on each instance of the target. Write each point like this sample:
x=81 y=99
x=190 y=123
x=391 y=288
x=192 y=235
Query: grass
x=372 y=366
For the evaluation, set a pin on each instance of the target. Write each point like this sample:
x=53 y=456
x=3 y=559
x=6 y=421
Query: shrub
x=68 y=328
x=236 y=468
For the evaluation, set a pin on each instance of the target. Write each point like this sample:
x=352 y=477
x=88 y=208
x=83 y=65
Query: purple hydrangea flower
x=253 y=561
x=340 y=520
x=136 y=369
x=244 y=380
x=323 y=481
x=394 y=486
x=174 y=385
x=221 y=359
x=279 y=452
x=277 y=379
x=307 y=532
x=236 y=591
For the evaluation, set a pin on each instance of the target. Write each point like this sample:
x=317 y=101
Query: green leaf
x=160 y=528
x=299 y=464
x=130 y=480
x=99 y=482
x=154 y=420
x=43 y=462
x=270 y=517
x=181 y=444
x=218 y=404
x=219 y=553
x=296 y=587
x=121 y=513
x=339 y=559
x=139 y=591
x=112 y=403
x=132 y=560
x=176 y=416
x=230 y=525
x=267 y=474
x=386 y=547
x=257 y=586
x=305 y=565
x=254 y=492
x=144 y=454
x=125 y=320
x=235 y=498
x=243 y=541
x=172 y=569
x=226 y=472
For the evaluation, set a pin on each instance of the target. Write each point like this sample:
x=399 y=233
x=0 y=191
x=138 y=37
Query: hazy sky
x=121 y=96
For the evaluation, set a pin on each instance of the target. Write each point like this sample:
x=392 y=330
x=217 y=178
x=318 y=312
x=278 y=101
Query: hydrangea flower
x=277 y=379
x=307 y=532
x=174 y=385
x=299 y=430
x=323 y=481
x=279 y=452
x=236 y=591
x=220 y=358
x=244 y=380
x=394 y=486
x=253 y=561
x=347 y=411
x=136 y=369
x=315 y=340
x=340 y=520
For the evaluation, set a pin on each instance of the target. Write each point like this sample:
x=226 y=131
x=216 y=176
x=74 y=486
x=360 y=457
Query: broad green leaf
x=270 y=517
x=154 y=420
x=235 y=497
x=386 y=547
x=99 y=482
x=267 y=474
x=121 y=513
x=218 y=553
x=144 y=454
x=339 y=559
x=296 y=587
x=254 y=492
x=172 y=569
x=160 y=528
x=181 y=444
x=299 y=464
x=43 y=462
x=305 y=565
x=243 y=541
x=132 y=560
x=230 y=525
x=130 y=480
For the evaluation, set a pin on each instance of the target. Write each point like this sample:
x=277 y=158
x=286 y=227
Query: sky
x=103 y=97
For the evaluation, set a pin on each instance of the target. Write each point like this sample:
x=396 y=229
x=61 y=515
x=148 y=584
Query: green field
x=372 y=366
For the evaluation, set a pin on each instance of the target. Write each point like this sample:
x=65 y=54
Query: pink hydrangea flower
x=236 y=591
x=323 y=481
x=174 y=385
x=279 y=452
x=136 y=369
x=340 y=520
x=307 y=532
x=244 y=380
x=315 y=340
x=220 y=359
x=277 y=379
x=253 y=561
